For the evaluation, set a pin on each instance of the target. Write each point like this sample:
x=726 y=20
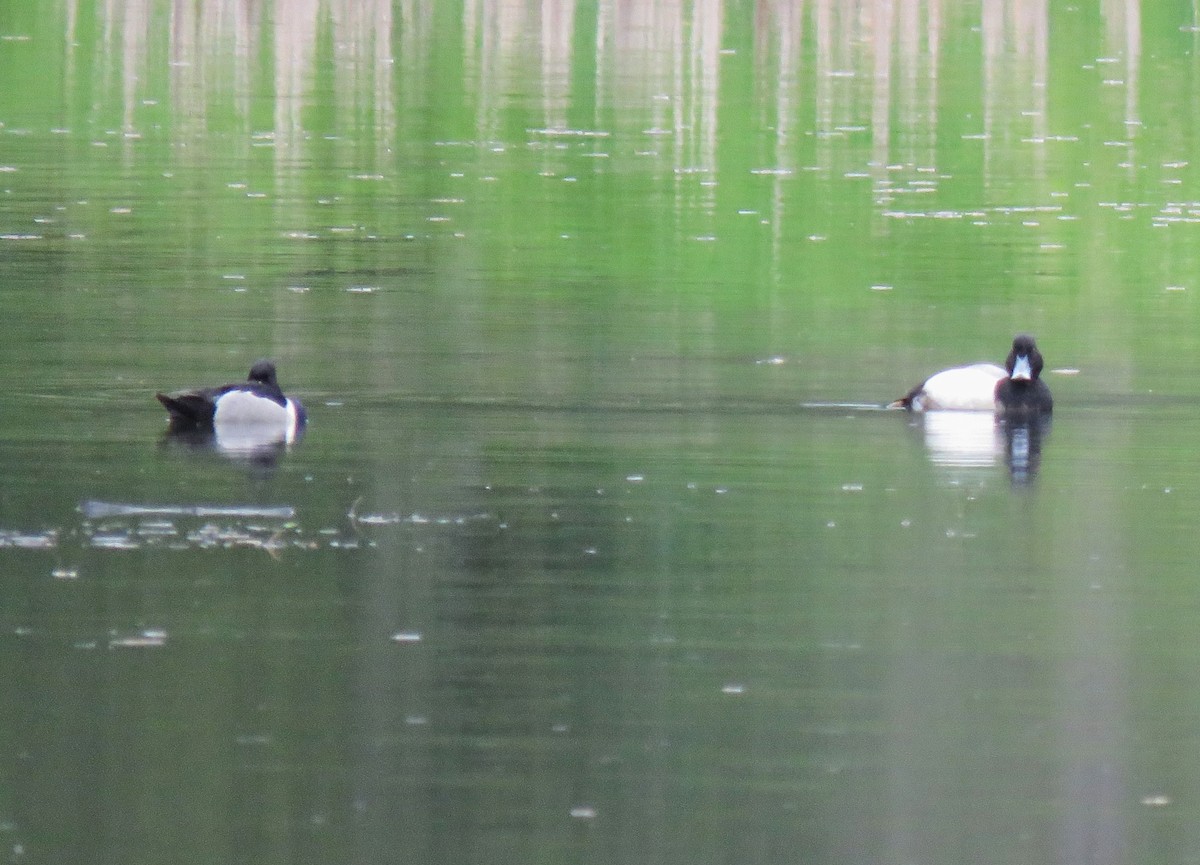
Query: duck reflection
x=257 y=446
x=977 y=439
x=1023 y=445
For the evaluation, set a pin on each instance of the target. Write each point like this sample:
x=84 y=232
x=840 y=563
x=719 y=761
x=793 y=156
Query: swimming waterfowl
x=256 y=403
x=1014 y=390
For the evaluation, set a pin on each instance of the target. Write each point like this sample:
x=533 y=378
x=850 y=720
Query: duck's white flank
x=245 y=408
x=964 y=388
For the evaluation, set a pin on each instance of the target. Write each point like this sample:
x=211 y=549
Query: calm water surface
x=597 y=548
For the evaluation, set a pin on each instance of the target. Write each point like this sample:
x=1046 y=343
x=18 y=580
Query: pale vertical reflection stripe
x=872 y=65
x=295 y=55
x=558 y=26
x=1015 y=40
x=780 y=35
x=883 y=35
x=1123 y=43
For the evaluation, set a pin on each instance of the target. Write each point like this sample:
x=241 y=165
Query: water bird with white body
x=255 y=410
x=1014 y=390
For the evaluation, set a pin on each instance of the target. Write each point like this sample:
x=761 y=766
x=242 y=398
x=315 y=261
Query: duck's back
x=963 y=388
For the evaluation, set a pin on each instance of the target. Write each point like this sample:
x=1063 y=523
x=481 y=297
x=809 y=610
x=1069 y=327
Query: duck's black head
x=1024 y=362
x=263 y=372
x=1023 y=393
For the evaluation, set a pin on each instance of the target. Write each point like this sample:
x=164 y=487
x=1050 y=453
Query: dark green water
x=595 y=549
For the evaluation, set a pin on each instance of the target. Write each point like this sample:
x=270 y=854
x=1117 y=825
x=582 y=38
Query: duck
x=1014 y=390
x=258 y=403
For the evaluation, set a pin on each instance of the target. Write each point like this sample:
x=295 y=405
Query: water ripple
x=122 y=526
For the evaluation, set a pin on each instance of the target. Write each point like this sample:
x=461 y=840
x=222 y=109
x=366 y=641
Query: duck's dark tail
x=906 y=401
x=187 y=409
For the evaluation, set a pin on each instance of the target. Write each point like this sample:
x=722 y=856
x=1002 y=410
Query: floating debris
x=123 y=526
x=29 y=540
x=112 y=541
x=99 y=510
x=559 y=132
x=394 y=518
x=147 y=639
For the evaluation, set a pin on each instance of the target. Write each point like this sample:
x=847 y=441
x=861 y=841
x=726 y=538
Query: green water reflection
x=596 y=549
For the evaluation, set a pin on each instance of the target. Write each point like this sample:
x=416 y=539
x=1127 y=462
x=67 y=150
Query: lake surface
x=598 y=547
